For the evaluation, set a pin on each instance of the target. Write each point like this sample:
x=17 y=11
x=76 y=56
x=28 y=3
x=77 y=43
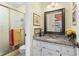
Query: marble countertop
x=55 y=39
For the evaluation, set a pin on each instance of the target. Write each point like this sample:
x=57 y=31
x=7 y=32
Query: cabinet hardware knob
x=43 y=47
x=57 y=50
x=60 y=54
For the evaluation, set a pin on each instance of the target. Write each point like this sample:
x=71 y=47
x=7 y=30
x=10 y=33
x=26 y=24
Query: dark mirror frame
x=63 y=22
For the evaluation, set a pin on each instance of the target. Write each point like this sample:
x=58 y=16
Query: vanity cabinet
x=41 y=48
x=36 y=51
x=50 y=49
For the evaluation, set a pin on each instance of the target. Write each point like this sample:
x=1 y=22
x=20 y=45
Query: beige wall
x=21 y=8
x=36 y=8
x=40 y=8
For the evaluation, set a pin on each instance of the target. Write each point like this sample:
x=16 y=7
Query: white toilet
x=22 y=50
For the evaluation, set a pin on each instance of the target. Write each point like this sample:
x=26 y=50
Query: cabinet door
x=37 y=43
x=52 y=46
x=50 y=49
x=4 y=30
x=49 y=52
x=67 y=50
x=36 y=50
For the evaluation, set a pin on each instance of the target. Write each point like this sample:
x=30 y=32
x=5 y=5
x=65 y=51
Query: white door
x=4 y=30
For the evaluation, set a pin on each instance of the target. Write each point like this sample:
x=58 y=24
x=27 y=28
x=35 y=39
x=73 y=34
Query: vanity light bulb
x=53 y=4
x=56 y=4
x=49 y=7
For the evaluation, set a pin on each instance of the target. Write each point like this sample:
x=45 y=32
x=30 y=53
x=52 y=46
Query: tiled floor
x=20 y=55
x=13 y=53
x=16 y=53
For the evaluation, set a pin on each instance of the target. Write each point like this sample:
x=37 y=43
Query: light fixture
x=56 y=4
x=49 y=6
x=52 y=5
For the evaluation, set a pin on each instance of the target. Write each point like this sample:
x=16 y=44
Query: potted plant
x=71 y=34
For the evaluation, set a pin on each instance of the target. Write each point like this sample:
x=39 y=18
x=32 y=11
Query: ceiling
x=16 y=4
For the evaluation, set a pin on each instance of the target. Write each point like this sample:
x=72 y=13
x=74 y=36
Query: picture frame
x=54 y=21
x=36 y=19
x=74 y=18
x=37 y=31
x=74 y=13
x=74 y=5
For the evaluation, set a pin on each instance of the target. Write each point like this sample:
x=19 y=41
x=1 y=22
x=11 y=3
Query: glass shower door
x=17 y=24
x=4 y=30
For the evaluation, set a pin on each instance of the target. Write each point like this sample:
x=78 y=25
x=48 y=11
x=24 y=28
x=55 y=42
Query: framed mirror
x=54 y=21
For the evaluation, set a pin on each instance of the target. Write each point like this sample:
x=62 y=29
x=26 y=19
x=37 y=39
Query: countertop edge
x=53 y=42
x=76 y=44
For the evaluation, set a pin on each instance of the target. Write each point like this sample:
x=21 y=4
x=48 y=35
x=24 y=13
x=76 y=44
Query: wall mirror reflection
x=54 y=21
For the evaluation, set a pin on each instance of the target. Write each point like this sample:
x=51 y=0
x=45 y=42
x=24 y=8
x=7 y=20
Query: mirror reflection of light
x=56 y=4
x=49 y=6
x=52 y=5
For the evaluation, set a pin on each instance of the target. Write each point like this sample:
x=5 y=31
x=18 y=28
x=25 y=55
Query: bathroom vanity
x=55 y=43
x=52 y=46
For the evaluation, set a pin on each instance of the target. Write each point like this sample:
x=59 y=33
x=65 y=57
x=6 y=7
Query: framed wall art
x=74 y=18
x=74 y=13
x=36 y=19
x=37 y=30
x=54 y=21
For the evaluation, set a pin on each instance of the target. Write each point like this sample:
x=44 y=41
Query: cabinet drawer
x=49 y=52
x=51 y=46
x=69 y=50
